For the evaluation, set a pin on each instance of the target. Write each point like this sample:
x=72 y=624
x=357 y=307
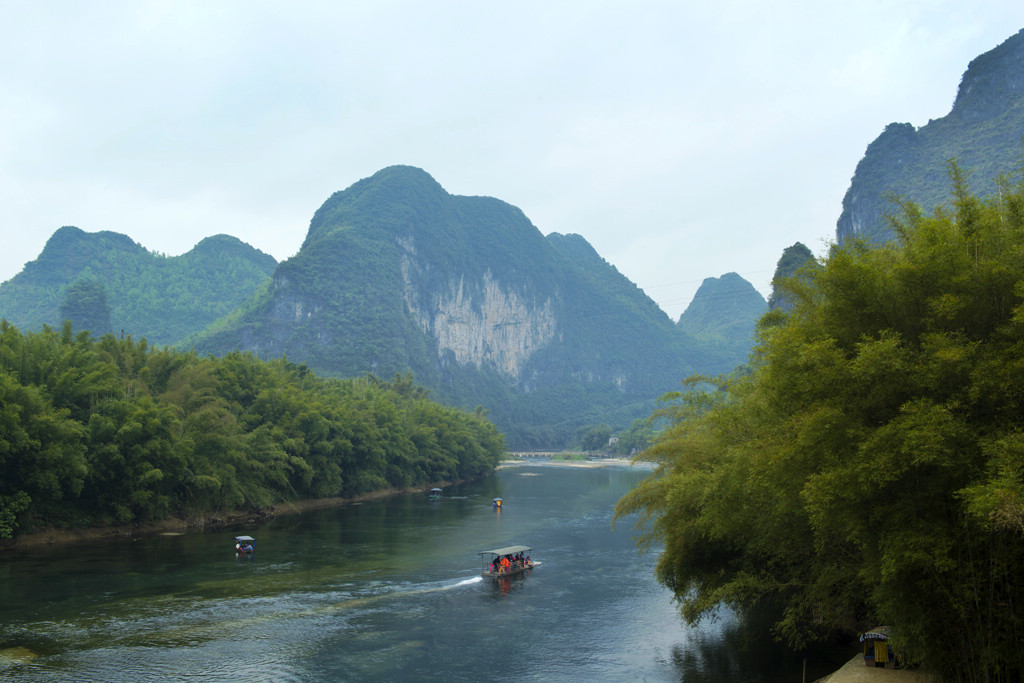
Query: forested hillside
x=724 y=313
x=397 y=275
x=792 y=262
x=870 y=468
x=984 y=133
x=113 y=431
x=161 y=298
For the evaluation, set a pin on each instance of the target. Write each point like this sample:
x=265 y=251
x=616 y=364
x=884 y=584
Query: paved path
x=854 y=671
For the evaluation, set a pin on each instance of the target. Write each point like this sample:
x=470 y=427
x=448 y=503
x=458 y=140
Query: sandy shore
x=854 y=671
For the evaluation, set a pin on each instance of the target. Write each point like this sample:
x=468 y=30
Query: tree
x=870 y=467
x=594 y=437
x=85 y=305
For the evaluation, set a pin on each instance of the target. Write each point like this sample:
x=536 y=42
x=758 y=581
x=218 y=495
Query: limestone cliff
x=397 y=275
x=499 y=329
x=982 y=132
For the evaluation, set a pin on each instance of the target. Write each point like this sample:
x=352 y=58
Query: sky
x=682 y=139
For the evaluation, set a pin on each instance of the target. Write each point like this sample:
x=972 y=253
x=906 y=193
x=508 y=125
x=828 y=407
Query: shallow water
x=384 y=590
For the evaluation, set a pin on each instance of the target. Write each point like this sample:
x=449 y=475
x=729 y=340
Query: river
x=384 y=590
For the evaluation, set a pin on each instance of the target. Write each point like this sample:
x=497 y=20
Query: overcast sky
x=682 y=139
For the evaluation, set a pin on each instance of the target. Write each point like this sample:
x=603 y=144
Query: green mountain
x=793 y=259
x=983 y=132
x=397 y=275
x=106 y=282
x=724 y=312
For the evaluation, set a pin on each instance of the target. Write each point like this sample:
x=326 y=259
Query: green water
x=384 y=590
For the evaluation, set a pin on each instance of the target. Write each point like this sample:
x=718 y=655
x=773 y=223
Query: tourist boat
x=436 y=494
x=496 y=503
x=245 y=544
x=493 y=565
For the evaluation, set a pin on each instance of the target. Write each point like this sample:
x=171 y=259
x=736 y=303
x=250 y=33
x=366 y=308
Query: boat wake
x=467 y=582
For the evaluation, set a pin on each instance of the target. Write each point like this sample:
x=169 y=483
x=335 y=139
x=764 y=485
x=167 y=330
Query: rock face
x=501 y=330
x=397 y=275
x=982 y=132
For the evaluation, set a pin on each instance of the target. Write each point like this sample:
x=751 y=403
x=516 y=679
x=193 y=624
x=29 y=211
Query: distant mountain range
x=396 y=275
x=161 y=298
x=984 y=133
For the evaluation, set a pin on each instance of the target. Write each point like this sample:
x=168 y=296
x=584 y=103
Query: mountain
x=104 y=281
x=793 y=259
x=724 y=311
x=983 y=132
x=397 y=275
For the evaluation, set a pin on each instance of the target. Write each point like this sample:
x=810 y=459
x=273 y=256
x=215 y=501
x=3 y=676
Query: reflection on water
x=384 y=590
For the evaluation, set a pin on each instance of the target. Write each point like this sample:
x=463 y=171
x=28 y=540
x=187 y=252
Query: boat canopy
x=877 y=633
x=511 y=550
x=244 y=538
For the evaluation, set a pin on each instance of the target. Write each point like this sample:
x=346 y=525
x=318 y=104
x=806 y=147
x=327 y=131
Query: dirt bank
x=52 y=536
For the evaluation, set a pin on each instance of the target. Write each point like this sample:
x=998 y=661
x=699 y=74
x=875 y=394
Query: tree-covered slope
x=870 y=468
x=983 y=132
x=396 y=274
x=148 y=295
x=112 y=431
x=793 y=261
x=724 y=312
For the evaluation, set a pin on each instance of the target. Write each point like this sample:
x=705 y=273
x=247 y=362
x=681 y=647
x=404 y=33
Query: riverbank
x=854 y=671
x=602 y=462
x=178 y=525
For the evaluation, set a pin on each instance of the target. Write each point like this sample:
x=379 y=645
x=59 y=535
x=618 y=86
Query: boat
x=245 y=544
x=496 y=503
x=509 y=561
x=436 y=494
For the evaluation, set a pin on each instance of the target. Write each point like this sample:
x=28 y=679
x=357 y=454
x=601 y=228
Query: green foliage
x=869 y=469
x=594 y=437
x=723 y=314
x=113 y=431
x=85 y=305
x=105 y=282
x=638 y=437
x=983 y=132
x=794 y=260
x=368 y=290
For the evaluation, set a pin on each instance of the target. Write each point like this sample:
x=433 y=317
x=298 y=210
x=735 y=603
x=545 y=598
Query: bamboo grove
x=112 y=431
x=868 y=469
